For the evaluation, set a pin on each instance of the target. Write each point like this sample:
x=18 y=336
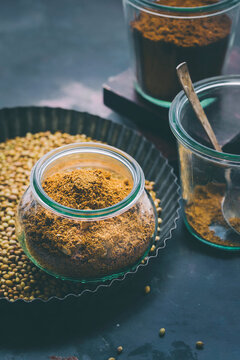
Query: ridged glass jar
x=120 y=235
x=203 y=169
x=162 y=35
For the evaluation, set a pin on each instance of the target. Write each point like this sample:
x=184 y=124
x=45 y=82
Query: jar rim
x=87 y=147
x=176 y=11
x=180 y=133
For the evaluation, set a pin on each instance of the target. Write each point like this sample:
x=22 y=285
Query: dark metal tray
x=18 y=121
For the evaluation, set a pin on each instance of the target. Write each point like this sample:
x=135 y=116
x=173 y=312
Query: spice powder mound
x=20 y=278
x=85 y=188
x=235 y=223
x=204 y=213
x=162 y=42
x=87 y=249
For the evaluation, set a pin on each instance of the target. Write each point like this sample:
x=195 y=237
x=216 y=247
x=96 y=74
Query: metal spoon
x=231 y=201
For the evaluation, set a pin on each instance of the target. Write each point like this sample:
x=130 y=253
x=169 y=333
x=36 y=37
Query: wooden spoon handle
x=186 y=82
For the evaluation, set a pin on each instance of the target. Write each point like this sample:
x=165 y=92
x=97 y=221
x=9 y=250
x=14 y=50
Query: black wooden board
x=119 y=94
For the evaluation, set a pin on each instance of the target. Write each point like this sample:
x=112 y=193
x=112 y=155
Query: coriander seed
x=162 y=332
x=119 y=349
x=147 y=289
x=199 y=345
x=153 y=248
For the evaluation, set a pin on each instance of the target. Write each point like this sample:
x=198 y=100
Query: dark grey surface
x=59 y=52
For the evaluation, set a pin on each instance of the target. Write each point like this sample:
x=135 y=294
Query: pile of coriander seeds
x=20 y=278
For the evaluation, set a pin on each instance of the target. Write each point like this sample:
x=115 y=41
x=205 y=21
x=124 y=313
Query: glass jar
x=105 y=243
x=162 y=35
x=203 y=169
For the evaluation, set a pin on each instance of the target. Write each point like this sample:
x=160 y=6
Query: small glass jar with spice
x=86 y=215
x=164 y=33
x=203 y=169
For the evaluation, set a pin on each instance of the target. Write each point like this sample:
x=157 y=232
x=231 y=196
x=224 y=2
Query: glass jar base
x=108 y=277
x=163 y=103
x=218 y=246
x=166 y=104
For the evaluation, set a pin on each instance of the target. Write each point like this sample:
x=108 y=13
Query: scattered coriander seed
x=147 y=289
x=162 y=332
x=159 y=220
x=199 y=345
x=111 y=358
x=157 y=238
x=159 y=209
x=119 y=349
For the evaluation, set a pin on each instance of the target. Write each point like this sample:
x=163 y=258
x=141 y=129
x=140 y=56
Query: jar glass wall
x=162 y=36
x=86 y=245
x=203 y=170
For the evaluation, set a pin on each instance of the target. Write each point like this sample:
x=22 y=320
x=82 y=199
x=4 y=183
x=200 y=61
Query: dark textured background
x=58 y=53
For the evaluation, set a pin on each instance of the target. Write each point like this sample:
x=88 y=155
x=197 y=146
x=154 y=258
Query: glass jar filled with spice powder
x=203 y=169
x=86 y=215
x=164 y=33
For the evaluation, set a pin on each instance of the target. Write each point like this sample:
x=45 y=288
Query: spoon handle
x=186 y=82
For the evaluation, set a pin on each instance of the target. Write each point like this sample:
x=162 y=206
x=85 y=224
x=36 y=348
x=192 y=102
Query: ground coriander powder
x=204 y=213
x=87 y=189
x=87 y=250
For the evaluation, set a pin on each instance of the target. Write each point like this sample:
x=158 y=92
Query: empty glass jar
x=86 y=245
